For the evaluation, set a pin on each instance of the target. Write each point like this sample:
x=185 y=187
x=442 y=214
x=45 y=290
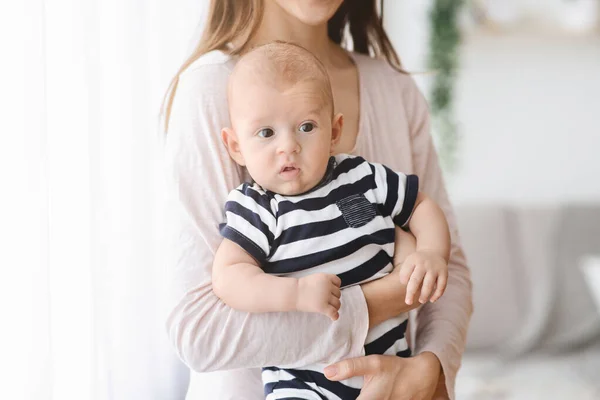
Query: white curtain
x=82 y=269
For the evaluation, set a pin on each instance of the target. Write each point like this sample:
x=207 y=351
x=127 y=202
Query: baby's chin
x=288 y=188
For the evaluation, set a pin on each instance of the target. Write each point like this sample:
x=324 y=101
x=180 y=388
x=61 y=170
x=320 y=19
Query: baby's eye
x=307 y=127
x=266 y=133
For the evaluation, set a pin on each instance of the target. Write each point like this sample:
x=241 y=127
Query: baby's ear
x=233 y=145
x=336 y=129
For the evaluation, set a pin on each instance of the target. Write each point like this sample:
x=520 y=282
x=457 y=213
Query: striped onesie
x=343 y=226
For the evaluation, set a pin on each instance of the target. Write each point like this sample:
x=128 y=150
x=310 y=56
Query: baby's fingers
x=414 y=284
x=336 y=292
x=336 y=280
x=332 y=313
x=335 y=302
x=427 y=288
x=442 y=281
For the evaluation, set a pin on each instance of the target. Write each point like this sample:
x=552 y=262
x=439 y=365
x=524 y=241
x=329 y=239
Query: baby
x=313 y=223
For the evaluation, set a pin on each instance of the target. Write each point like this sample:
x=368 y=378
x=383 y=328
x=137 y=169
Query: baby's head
x=283 y=125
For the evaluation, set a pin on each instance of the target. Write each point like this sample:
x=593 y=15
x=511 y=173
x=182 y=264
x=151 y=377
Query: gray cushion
x=528 y=289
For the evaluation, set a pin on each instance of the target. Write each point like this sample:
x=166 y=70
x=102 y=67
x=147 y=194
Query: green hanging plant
x=443 y=60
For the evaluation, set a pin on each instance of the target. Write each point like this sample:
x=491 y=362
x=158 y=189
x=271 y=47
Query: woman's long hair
x=236 y=21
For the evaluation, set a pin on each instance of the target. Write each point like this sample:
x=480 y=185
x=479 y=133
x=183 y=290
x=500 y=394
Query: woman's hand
x=391 y=377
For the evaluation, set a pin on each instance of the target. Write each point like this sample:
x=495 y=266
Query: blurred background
x=514 y=90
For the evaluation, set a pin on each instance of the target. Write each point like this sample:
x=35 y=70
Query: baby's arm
x=404 y=245
x=427 y=267
x=239 y=281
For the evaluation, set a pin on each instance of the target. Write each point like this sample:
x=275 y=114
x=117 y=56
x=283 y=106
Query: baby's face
x=284 y=134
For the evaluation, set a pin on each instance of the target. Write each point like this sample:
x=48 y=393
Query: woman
x=386 y=121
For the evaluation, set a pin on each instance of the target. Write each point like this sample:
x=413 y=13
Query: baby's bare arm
x=427 y=268
x=430 y=228
x=239 y=281
x=405 y=244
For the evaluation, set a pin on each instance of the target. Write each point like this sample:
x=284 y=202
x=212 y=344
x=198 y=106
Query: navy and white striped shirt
x=343 y=226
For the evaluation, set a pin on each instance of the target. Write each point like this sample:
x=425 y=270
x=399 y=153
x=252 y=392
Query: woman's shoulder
x=200 y=98
x=210 y=68
x=386 y=86
x=377 y=72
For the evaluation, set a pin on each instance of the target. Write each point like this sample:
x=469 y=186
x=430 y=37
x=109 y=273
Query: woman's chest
x=385 y=138
x=384 y=134
x=346 y=97
x=376 y=124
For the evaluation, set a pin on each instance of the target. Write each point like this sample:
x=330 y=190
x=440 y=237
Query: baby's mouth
x=288 y=167
x=289 y=171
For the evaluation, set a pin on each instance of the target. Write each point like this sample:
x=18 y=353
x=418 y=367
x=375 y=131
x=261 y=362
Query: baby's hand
x=424 y=270
x=319 y=293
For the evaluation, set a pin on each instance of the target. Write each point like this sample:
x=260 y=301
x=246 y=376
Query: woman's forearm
x=208 y=335
x=385 y=299
x=442 y=326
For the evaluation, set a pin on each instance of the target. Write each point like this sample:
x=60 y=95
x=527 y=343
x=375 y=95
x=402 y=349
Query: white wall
x=527 y=105
x=528 y=108
x=407 y=25
x=551 y=15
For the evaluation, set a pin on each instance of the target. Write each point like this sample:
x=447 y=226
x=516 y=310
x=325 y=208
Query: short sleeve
x=397 y=193
x=249 y=221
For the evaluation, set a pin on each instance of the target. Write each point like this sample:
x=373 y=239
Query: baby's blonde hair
x=285 y=64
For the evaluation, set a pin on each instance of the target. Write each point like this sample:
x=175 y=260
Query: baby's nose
x=289 y=144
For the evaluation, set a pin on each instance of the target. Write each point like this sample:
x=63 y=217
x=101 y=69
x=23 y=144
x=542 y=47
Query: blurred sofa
x=535 y=330
x=529 y=290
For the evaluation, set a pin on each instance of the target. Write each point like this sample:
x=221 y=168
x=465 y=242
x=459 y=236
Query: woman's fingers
x=353 y=367
x=366 y=395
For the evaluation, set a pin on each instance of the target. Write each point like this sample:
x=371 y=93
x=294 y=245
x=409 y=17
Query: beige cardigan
x=210 y=336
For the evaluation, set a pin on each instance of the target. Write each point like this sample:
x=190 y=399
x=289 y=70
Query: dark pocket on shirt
x=357 y=210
